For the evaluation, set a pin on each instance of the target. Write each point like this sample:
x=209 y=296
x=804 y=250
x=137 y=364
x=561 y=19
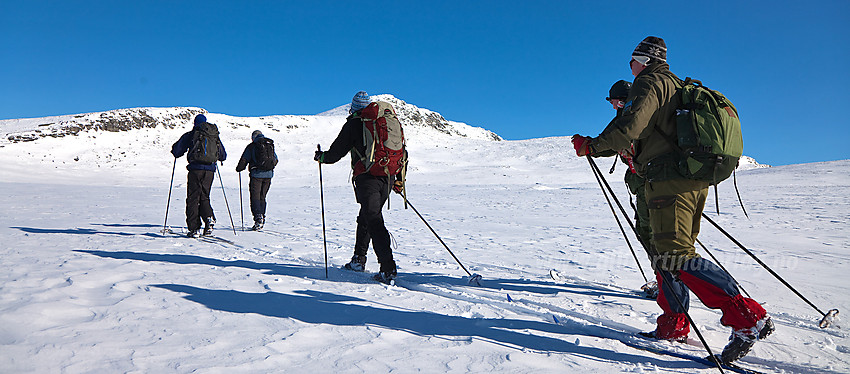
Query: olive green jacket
x=651 y=104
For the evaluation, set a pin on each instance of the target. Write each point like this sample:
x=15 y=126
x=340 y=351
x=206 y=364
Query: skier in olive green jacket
x=617 y=96
x=675 y=207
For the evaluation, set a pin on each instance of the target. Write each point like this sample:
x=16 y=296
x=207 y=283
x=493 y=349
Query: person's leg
x=362 y=238
x=717 y=290
x=255 y=186
x=193 y=198
x=675 y=207
x=642 y=219
x=204 y=208
x=673 y=323
x=372 y=194
x=672 y=206
x=264 y=191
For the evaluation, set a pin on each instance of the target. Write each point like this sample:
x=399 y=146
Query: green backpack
x=708 y=137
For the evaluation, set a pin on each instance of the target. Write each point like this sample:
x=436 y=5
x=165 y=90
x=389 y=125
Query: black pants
x=372 y=192
x=198 y=198
x=259 y=188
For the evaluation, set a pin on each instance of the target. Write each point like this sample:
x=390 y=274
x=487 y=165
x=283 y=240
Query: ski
x=649 y=290
x=702 y=360
x=376 y=277
x=380 y=279
x=214 y=239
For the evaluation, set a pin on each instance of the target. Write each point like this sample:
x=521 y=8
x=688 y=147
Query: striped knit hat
x=651 y=48
x=360 y=101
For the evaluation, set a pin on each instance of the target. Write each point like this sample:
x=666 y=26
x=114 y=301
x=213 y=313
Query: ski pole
x=667 y=278
x=617 y=218
x=241 y=203
x=827 y=317
x=168 y=204
x=724 y=269
x=473 y=278
x=232 y=226
x=322 y=197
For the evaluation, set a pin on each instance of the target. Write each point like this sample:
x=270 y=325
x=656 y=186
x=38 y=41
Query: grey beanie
x=256 y=134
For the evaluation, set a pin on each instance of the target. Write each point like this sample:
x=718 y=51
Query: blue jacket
x=182 y=145
x=249 y=157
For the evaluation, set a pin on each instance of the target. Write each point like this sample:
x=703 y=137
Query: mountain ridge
x=30 y=129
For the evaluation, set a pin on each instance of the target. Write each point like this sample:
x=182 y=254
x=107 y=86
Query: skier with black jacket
x=260 y=158
x=202 y=156
x=370 y=191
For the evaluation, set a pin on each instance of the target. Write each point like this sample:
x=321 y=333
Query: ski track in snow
x=90 y=284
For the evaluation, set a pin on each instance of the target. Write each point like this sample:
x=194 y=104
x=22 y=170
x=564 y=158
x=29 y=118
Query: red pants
x=714 y=287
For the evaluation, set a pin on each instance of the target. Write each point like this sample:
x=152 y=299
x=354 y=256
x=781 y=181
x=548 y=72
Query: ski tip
x=828 y=319
x=509 y=298
x=474 y=280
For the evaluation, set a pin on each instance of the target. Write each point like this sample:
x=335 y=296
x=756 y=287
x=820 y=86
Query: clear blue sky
x=521 y=69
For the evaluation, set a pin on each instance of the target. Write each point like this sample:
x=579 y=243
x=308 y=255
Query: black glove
x=319 y=156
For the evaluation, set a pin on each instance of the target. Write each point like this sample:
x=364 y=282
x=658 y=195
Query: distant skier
x=260 y=158
x=204 y=150
x=617 y=96
x=675 y=207
x=371 y=189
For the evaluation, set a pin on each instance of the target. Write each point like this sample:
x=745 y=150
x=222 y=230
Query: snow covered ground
x=90 y=284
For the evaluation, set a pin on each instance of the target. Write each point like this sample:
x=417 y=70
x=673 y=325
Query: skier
x=204 y=149
x=675 y=206
x=617 y=97
x=261 y=159
x=370 y=191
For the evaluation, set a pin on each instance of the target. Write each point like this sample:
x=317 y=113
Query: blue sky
x=521 y=69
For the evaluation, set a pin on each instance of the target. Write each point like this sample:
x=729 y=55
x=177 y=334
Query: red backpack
x=384 y=138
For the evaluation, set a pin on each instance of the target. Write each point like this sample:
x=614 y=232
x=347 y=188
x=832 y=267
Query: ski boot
x=743 y=340
x=385 y=277
x=358 y=263
x=259 y=221
x=650 y=290
x=209 y=222
x=193 y=233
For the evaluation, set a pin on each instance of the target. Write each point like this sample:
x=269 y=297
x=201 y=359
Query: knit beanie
x=200 y=118
x=360 y=101
x=652 y=47
x=256 y=134
x=619 y=90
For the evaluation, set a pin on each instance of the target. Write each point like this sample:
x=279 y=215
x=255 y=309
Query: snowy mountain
x=88 y=283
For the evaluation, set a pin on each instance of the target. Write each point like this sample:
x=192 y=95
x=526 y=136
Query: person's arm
x=180 y=147
x=243 y=161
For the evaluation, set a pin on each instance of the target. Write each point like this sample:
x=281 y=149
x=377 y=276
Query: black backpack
x=205 y=144
x=264 y=154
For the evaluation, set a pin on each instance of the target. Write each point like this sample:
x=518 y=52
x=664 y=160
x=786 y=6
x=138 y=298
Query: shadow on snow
x=318 y=307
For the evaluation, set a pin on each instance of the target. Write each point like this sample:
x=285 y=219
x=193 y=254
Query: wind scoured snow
x=89 y=284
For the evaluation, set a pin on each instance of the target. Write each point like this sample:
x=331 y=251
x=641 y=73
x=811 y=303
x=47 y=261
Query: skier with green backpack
x=685 y=139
